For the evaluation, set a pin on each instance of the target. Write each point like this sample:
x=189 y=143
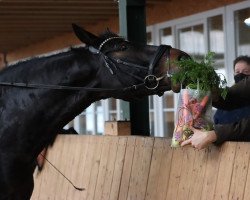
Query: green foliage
x=200 y=75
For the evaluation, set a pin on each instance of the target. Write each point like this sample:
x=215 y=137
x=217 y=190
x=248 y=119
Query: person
x=232 y=119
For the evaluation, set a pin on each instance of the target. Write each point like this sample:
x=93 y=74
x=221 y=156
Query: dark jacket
x=231 y=116
x=238 y=96
x=238 y=131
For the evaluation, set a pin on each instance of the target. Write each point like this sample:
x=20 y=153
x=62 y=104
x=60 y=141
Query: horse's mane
x=45 y=55
x=103 y=36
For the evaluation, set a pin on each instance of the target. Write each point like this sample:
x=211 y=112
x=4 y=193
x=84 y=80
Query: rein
x=150 y=82
x=77 y=188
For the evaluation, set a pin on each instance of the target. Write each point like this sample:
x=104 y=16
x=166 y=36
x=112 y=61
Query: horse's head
x=138 y=70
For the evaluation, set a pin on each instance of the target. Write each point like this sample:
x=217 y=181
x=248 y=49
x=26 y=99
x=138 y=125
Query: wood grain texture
x=134 y=167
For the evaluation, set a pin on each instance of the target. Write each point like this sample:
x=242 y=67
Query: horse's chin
x=176 y=88
x=163 y=88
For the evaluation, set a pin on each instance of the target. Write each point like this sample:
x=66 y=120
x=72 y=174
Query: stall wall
x=138 y=168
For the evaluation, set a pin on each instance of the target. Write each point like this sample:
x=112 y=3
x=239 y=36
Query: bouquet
x=195 y=102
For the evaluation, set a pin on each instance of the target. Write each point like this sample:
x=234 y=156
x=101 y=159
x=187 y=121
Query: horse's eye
x=123 y=47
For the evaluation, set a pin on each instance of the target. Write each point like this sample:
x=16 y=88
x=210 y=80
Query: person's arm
x=237 y=96
x=238 y=131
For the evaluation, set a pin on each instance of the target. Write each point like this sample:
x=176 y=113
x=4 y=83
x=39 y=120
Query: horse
x=41 y=95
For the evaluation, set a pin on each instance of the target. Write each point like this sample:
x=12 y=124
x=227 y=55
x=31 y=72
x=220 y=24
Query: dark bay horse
x=41 y=95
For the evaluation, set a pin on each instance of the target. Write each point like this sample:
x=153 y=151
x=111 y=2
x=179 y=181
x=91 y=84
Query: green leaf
x=202 y=74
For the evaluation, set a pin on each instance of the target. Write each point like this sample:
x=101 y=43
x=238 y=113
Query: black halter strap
x=151 y=81
x=158 y=54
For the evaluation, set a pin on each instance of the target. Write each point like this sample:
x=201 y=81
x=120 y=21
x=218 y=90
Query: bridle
x=150 y=82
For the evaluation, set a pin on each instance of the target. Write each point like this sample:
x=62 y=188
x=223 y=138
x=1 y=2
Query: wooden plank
x=198 y=173
x=95 y=164
x=34 y=5
x=211 y=171
x=102 y=169
x=52 y=12
x=247 y=185
x=142 y=177
x=114 y=193
x=38 y=181
x=154 y=173
x=126 y=174
x=88 y=166
x=165 y=168
x=110 y=167
x=186 y=179
x=140 y=168
x=37 y=187
x=137 y=161
x=51 y=176
x=81 y=149
x=62 y=167
x=68 y=164
x=175 y=173
x=225 y=171
x=240 y=171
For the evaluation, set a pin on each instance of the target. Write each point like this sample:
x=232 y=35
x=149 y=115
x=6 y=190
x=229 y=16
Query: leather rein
x=151 y=82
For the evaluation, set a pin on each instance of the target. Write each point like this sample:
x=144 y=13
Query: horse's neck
x=44 y=111
x=72 y=72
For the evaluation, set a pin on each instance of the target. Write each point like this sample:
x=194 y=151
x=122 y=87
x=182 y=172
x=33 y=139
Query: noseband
x=151 y=82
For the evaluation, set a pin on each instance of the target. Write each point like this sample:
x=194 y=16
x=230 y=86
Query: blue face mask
x=239 y=77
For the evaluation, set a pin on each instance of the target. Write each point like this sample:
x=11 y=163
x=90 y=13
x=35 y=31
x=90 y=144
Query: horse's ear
x=83 y=35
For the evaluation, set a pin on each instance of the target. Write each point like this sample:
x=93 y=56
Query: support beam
x=132 y=16
x=3 y=60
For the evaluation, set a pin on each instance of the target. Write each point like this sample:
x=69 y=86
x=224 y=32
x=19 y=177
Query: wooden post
x=117 y=128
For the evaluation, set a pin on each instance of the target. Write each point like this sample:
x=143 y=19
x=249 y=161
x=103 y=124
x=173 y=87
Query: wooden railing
x=138 y=168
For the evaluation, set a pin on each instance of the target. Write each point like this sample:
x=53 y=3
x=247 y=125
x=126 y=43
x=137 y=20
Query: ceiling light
x=247 y=21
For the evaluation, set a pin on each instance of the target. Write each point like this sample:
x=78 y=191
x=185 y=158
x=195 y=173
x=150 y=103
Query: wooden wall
x=138 y=168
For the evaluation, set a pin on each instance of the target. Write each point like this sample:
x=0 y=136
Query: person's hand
x=200 y=139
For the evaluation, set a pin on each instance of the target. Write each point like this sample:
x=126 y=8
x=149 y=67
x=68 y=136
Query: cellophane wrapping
x=194 y=110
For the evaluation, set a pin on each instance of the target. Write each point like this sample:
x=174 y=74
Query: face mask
x=239 y=77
